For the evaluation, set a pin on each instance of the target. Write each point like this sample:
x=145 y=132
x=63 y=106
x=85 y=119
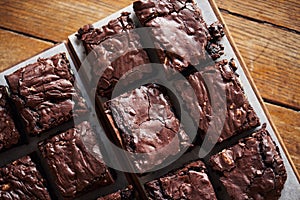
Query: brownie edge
x=124 y=194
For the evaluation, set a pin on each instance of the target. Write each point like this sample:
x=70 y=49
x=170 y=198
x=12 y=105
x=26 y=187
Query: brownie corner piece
x=189 y=182
x=9 y=135
x=124 y=194
x=45 y=94
x=21 y=180
x=75 y=160
x=251 y=169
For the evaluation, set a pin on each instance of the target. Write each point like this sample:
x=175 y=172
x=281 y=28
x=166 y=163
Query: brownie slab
x=9 y=135
x=75 y=161
x=251 y=169
x=147 y=125
x=190 y=182
x=21 y=180
x=44 y=94
x=124 y=194
x=113 y=51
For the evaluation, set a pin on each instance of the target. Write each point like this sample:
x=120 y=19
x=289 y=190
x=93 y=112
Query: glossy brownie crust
x=113 y=50
x=9 y=135
x=146 y=123
x=74 y=160
x=44 y=93
x=252 y=169
x=125 y=194
x=191 y=182
x=21 y=180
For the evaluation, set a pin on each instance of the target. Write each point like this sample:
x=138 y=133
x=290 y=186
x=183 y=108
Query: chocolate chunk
x=191 y=182
x=21 y=180
x=45 y=95
x=75 y=161
x=251 y=169
x=125 y=194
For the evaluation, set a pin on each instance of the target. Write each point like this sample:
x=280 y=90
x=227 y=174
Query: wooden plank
x=272 y=57
x=284 y=13
x=56 y=19
x=15 y=48
x=288 y=127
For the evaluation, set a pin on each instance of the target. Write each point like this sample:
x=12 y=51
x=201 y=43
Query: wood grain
x=15 y=48
x=285 y=13
x=289 y=128
x=272 y=57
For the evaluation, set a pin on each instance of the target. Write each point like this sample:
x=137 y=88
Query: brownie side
x=179 y=32
x=75 y=161
x=44 y=94
x=251 y=169
x=21 y=180
x=114 y=51
x=190 y=182
x=9 y=135
x=124 y=194
x=148 y=125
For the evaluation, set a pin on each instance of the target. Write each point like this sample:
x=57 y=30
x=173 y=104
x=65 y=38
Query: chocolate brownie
x=9 y=135
x=75 y=161
x=44 y=94
x=147 y=125
x=21 y=180
x=190 y=182
x=178 y=31
x=251 y=169
x=125 y=194
x=114 y=50
x=206 y=86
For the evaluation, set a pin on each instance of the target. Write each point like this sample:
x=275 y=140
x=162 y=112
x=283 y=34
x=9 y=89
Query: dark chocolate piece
x=114 y=50
x=240 y=115
x=9 y=135
x=191 y=182
x=21 y=180
x=125 y=194
x=147 y=124
x=44 y=94
x=251 y=169
x=75 y=161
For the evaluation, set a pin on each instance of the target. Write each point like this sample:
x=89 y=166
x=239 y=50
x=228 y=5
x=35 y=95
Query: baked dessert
x=251 y=169
x=9 y=135
x=75 y=161
x=113 y=50
x=45 y=95
x=190 y=182
x=147 y=125
x=21 y=180
x=124 y=194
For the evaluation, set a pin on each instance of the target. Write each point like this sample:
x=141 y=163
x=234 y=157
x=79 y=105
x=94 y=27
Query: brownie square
x=44 y=94
x=113 y=50
x=251 y=169
x=124 y=194
x=190 y=182
x=179 y=32
x=75 y=161
x=147 y=125
x=9 y=135
x=206 y=85
x=21 y=180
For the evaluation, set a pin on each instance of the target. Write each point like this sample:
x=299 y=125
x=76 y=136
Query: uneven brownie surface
x=148 y=125
x=252 y=169
x=44 y=93
x=75 y=161
x=9 y=135
x=179 y=32
x=206 y=85
x=21 y=180
x=125 y=194
x=191 y=182
x=114 y=50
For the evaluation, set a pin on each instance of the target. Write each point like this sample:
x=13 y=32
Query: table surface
x=267 y=34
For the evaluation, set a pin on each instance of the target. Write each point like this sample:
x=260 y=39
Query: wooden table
x=267 y=33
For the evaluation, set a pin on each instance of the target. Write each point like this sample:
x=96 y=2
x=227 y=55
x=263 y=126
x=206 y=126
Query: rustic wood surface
x=267 y=33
